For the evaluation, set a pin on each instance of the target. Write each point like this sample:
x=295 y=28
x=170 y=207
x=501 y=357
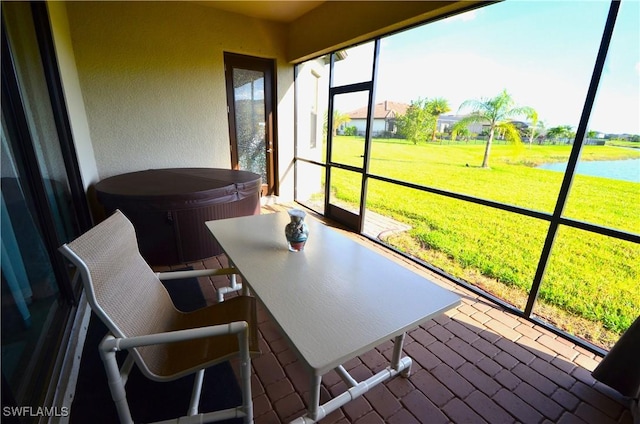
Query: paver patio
x=474 y=364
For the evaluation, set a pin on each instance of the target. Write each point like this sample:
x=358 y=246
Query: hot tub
x=168 y=208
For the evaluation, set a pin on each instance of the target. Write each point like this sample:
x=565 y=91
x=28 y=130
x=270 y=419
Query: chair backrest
x=121 y=288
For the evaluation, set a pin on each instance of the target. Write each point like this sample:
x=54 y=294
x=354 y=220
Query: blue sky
x=541 y=52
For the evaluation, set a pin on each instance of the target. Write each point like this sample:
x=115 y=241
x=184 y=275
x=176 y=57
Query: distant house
x=386 y=113
x=446 y=122
x=384 y=118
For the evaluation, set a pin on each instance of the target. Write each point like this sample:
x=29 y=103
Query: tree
x=562 y=132
x=339 y=119
x=437 y=107
x=460 y=130
x=416 y=123
x=535 y=125
x=497 y=113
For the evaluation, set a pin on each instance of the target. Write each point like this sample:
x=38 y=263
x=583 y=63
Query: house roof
x=383 y=110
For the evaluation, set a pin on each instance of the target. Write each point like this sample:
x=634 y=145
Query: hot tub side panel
x=192 y=237
x=171 y=229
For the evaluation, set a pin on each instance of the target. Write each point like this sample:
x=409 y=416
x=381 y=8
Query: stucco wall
x=152 y=78
x=73 y=93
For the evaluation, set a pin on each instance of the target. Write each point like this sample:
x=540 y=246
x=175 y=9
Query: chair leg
x=233 y=287
x=116 y=385
x=126 y=368
x=245 y=376
x=195 y=394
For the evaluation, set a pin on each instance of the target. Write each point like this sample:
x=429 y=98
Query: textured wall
x=152 y=78
x=73 y=93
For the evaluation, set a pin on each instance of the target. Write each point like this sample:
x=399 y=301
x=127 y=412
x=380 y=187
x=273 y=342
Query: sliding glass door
x=38 y=213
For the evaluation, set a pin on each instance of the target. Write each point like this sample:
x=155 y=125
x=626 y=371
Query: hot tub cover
x=169 y=208
x=179 y=188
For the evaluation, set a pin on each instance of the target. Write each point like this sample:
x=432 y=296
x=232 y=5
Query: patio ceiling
x=279 y=11
x=317 y=27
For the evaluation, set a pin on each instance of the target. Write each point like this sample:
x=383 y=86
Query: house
x=94 y=89
x=384 y=118
x=446 y=122
x=385 y=115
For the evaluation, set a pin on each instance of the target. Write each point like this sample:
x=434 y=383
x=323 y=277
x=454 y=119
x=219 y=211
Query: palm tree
x=437 y=107
x=560 y=132
x=460 y=130
x=339 y=119
x=496 y=112
x=535 y=124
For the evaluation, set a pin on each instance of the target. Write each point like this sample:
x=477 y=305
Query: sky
x=542 y=52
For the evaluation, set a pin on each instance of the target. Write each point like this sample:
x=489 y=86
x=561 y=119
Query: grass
x=590 y=277
x=624 y=143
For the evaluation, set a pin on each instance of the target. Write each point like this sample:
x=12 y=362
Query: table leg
x=314 y=397
x=245 y=289
x=233 y=286
x=315 y=412
x=397 y=356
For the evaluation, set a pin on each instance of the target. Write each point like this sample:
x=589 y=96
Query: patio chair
x=165 y=343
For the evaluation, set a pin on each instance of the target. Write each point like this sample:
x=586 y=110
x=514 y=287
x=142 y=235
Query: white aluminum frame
x=117 y=377
x=315 y=412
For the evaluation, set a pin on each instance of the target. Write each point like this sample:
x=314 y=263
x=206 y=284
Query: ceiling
x=278 y=11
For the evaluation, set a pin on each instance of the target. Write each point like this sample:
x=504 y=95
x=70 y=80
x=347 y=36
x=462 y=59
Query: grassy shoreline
x=588 y=276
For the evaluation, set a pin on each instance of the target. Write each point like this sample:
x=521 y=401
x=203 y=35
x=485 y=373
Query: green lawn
x=623 y=143
x=591 y=276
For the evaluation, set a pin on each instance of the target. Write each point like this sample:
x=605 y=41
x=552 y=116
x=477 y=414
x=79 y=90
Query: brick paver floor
x=474 y=364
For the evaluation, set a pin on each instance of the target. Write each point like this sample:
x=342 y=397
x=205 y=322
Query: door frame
x=268 y=67
x=353 y=221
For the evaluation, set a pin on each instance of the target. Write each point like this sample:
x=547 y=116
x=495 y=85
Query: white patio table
x=333 y=301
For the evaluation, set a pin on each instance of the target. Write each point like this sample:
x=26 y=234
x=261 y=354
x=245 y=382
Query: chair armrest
x=111 y=343
x=175 y=275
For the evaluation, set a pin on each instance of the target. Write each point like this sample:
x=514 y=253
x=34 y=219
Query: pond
x=627 y=170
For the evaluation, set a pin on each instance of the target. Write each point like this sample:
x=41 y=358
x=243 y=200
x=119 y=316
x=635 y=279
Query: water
x=627 y=170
